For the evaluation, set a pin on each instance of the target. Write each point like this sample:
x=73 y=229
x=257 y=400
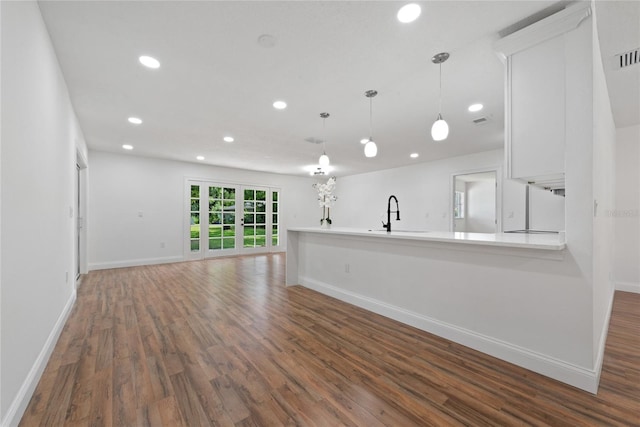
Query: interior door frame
x=498 y=204
x=80 y=226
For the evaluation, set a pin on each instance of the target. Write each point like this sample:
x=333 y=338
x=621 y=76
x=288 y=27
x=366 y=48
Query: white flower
x=325 y=192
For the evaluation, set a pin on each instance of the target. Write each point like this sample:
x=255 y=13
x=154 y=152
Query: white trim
x=135 y=262
x=577 y=376
x=559 y=23
x=20 y=402
x=628 y=287
x=223 y=182
x=603 y=340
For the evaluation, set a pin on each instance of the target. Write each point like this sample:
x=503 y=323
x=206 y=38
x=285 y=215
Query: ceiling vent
x=313 y=140
x=626 y=59
x=481 y=120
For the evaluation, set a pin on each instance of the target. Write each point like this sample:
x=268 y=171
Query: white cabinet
x=536 y=98
x=536 y=90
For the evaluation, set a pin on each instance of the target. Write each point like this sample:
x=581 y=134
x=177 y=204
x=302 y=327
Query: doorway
x=231 y=219
x=80 y=208
x=475 y=202
x=78 y=222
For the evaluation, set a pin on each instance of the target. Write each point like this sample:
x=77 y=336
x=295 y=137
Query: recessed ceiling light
x=200 y=157
x=414 y=155
x=279 y=105
x=364 y=140
x=228 y=139
x=127 y=147
x=134 y=120
x=409 y=13
x=475 y=107
x=149 y=62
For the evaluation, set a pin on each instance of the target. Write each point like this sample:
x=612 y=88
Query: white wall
x=626 y=214
x=39 y=137
x=122 y=185
x=424 y=192
x=546 y=210
x=481 y=207
x=513 y=205
x=604 y=138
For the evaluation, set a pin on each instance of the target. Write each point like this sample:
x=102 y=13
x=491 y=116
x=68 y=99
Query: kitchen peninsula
x=508 y=295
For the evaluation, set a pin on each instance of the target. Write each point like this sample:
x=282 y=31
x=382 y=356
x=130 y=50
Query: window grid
x=275 y=214
x=222 y=218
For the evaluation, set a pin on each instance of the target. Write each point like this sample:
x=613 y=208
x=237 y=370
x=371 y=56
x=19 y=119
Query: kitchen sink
x=402 y=231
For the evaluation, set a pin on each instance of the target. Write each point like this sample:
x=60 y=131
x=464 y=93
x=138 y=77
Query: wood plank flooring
x=224 y=342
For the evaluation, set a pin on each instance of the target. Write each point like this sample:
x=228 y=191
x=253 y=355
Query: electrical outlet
x=139 y=214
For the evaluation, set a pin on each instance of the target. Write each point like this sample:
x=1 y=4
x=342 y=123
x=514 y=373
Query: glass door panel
x=228 y=220
x=255 y=217
x=275 y=237
x=222 y=219
x=194 y=223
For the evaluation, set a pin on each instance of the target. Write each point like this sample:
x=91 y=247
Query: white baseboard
x=628 y=287
x=134 y=262
x=603 y=339
x=20 y=402
x=577 y=376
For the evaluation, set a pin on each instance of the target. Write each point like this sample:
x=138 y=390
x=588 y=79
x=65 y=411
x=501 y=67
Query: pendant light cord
x=370 y=118
x=440 y=108
x=324 y=135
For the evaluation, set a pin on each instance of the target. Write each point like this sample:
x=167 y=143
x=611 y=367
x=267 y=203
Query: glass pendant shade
x=323 y=160
x=370 y=149
x=440 y=129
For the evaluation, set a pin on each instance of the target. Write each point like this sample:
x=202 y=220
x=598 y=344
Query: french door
x=229 y=219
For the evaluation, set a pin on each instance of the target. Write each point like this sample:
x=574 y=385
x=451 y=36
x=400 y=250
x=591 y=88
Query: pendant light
x=323 y=161
x=370 y=148
x=440 y=128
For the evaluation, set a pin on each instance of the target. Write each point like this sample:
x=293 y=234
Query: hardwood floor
x=223 y=342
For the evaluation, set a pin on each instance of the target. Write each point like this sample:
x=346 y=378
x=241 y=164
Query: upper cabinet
x=538 y=76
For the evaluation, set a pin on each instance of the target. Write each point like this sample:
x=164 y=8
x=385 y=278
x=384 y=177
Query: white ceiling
x=217 y=80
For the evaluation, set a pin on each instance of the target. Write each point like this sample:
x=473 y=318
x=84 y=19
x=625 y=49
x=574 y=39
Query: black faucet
x=397 y=211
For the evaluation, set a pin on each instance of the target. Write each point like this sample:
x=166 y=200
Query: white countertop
x=551 y=241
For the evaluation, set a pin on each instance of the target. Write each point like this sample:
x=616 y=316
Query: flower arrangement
x=326 y=199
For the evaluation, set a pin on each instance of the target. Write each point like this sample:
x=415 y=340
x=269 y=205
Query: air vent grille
x=313 y=140
x=626 y=59
x=481 y=120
